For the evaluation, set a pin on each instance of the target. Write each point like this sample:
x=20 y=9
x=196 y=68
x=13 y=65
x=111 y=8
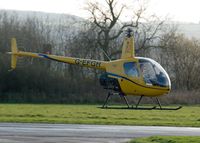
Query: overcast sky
x=177 y=10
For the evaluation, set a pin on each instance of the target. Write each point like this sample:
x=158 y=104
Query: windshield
x=153 y=73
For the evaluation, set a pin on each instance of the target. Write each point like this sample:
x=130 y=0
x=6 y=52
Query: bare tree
x=148 y=34
x=182 y=56
x=107 y=22
x=106 y=19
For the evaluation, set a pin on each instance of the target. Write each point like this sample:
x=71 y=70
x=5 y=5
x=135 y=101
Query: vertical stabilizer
x=128 y=50
x=14 y=51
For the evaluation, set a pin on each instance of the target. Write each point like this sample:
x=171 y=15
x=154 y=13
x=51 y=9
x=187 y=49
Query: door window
x=130 y=69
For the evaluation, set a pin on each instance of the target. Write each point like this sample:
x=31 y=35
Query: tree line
x=100 y=38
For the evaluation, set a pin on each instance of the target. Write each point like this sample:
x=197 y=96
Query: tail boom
x=96 y=64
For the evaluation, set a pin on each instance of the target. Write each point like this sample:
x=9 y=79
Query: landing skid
x=157 y=108
x=169 y=108
x=166 y=108
x=128 y=108
x=136 y=107
x=144 y=108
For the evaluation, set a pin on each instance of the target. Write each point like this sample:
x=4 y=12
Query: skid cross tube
x=106 y=101
x=122 y=96
x=142 y=108
x=139 y=101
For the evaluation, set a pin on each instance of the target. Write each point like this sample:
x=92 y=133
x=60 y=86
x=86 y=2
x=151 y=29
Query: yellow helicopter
x=128 y=75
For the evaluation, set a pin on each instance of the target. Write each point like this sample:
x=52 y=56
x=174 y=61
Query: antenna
x=105 y=54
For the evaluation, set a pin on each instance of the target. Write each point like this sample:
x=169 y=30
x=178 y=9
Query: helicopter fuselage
x=134 y=83
x=129 y=75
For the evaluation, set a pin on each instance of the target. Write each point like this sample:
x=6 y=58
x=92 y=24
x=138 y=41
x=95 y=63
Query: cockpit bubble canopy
x=153 y=73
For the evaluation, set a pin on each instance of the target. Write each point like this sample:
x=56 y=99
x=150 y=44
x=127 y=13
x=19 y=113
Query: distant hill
x=41 y=15
x=190 y=29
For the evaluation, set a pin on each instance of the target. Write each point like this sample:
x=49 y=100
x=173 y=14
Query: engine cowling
x=109 y=83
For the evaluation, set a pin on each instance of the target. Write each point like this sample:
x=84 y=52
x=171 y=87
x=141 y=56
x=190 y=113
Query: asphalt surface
x=73 y=133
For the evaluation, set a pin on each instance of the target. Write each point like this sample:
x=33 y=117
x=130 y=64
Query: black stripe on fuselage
x=134 y=82
x=47 y=57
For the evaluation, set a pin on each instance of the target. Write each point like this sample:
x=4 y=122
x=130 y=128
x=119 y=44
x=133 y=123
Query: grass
x=167 y=139
x=90 y=114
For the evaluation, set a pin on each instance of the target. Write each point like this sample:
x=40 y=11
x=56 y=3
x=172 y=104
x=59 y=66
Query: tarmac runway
x=74 y=133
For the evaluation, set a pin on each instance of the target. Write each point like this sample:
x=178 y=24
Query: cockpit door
x=131 y=69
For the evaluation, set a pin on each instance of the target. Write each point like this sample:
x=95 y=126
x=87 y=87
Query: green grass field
x=167 y=139
x=91 y=114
